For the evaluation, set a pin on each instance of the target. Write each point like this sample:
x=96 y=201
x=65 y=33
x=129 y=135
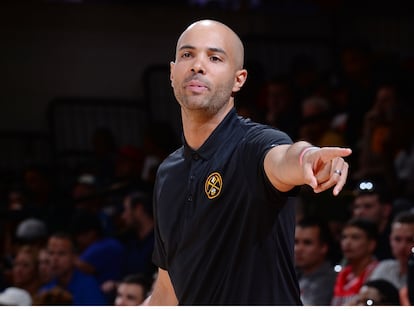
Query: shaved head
x=236 y=45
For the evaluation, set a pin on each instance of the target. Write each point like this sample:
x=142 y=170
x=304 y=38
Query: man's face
x=355 y=244
x=369 y=207
x=402 y=240
x=127 y=215
x=129 y=295
x=61 y=256
x=368 y=296
x=204 y=73
x=309 y=251
x=44 y=266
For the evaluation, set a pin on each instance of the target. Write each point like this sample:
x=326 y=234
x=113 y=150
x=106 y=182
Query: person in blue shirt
x=83 y=287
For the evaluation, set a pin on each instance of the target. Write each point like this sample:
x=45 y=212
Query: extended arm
x=163 y=293
x=320 y=168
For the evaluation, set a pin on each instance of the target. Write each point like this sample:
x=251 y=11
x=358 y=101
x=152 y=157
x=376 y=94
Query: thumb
x=309 y=177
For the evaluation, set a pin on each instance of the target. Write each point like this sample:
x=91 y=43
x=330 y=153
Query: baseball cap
x=31 y=229
x=14 y=296
x=373 y=186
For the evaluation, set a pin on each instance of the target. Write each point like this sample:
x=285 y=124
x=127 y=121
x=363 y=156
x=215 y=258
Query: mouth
x=196 y=86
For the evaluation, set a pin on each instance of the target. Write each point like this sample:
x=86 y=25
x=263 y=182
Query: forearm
x=283 y=167
x=163 y=293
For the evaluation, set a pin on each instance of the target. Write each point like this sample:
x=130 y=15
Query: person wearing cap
x=373 y=201
x=31 y=231
x=14 y=296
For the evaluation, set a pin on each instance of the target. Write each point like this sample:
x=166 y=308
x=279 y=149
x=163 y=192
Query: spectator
x=316 y=123
x=373 y=201
x=45 y=200
x=32 y=231
x=139 y=237
x=378 y=143
x=315 y=273
x=402 y=241
x=376 y=293
x=44 y=266
x=100 y=256
x=88 y=197
x=359 y=239
x=25 y=269
x=132 y=290
x=83 y=287
x=275 y=100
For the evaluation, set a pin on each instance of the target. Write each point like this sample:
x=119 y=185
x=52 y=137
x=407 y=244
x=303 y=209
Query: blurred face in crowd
x=368 y=296
x=402 y=240
x=309 y=251
x=369 y=207
x=129 y=294
x=128 y=213
x=24 y=268
x=62 y=257
x=355 y=244
x=45 y=269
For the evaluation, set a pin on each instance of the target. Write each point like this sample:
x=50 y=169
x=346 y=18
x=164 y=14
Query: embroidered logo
x=213 y=185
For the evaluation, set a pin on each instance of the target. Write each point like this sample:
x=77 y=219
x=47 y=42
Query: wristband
x=302 y=154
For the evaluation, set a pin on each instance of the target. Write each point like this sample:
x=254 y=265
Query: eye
x=186 y=55
x=215 y=59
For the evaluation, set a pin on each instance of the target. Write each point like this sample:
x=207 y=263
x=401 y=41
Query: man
x=358 y=242
x=99 y=255
x=83 y=288
x=139 y=238
x=376 y=293
x=316 y=274
x=402 y=242
x=222 y=236
x=132 y=290
x=372 y=201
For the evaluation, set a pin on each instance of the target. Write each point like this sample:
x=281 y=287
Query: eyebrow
x=212 y=49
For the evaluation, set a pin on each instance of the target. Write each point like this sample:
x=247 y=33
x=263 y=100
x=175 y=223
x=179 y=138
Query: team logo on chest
x=213 y=185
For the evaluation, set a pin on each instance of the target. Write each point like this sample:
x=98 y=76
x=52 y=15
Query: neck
x=359 y=266
x=65 y=278
x=312 y=269
x=198 y=125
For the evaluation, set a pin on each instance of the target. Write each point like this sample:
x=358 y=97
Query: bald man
x=223 y=235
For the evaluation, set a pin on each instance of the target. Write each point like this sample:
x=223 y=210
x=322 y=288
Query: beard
x=210 y=102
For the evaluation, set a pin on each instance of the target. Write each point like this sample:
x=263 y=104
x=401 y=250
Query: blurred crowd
x=89 y=240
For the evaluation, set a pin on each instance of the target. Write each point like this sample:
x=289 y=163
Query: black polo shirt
x=221 y=229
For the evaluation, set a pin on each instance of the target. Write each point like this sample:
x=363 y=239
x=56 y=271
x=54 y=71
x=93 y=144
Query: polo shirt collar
x=217 y=138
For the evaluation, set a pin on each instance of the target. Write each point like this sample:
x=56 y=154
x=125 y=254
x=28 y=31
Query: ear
x=172 y=64
x=240 y=79
x=372 y=245
x=387 y=209
x=324 y=248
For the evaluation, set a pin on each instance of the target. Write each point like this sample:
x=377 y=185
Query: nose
x=198 y=66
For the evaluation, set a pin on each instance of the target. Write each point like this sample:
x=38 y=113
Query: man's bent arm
x=163 y=293
x=287 y=166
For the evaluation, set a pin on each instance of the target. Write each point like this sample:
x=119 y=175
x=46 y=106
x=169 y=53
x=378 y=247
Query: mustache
x=197 y=77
